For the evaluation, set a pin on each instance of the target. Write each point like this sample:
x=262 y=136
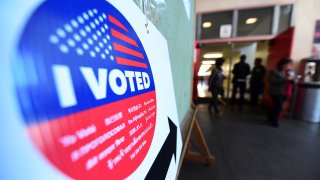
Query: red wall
x=279 y=47
x=196 y=66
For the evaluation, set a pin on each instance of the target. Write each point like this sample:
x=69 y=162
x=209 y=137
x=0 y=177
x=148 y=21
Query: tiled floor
x=247 y=148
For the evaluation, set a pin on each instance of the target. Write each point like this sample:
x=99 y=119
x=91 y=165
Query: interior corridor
x=247 y=148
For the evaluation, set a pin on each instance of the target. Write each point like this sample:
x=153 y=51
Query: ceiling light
x=251 y=20
x=204 y=67
x=206 y=24
x=208 y=62
x=213 y=55
x=204 y=70
x=204 y=73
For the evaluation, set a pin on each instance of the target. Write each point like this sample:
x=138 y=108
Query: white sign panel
x=187 y=7
x=94 y=92
x=225 y=31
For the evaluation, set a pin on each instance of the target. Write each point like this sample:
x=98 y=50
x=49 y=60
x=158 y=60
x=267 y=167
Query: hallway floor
x=247 y=148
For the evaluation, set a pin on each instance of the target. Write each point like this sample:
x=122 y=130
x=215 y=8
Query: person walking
x=257 y=81
x=216 y=85
x=278 y=80
x=240 y=72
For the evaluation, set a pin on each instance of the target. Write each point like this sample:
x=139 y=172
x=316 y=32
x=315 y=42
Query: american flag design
x=93 y=28
x=102 y=130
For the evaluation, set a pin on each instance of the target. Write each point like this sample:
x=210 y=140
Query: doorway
x=231 y=52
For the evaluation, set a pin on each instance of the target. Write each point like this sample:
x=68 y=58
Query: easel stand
x=204 y=155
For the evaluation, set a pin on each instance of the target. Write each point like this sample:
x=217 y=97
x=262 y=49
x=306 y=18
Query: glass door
x=208 y=55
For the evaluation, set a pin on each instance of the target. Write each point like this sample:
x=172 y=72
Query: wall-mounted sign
x=225 y=31
x=96 y=92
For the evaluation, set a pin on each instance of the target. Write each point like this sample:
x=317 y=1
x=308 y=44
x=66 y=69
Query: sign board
x=187 y=7
x=225 y=31
x=95 y=91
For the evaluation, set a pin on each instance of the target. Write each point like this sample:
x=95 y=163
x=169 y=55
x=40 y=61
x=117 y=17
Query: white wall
x=317 y=8
x=307 y=12
x=250 y=52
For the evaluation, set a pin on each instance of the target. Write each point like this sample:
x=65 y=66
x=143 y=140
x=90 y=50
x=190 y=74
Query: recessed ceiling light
x=209 y=62
x=205 y=66
x=206 y=24
x=251 y=20
x=204 y=70
x=213 y=55
x=204 y=74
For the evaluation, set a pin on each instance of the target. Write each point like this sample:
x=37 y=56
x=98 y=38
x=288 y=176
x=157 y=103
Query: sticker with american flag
x=86 y=89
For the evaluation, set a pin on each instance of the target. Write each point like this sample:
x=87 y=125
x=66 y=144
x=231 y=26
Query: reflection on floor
x=247 y=148
x=202 y=88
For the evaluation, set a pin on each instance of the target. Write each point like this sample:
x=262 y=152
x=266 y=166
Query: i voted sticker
x=85 y=89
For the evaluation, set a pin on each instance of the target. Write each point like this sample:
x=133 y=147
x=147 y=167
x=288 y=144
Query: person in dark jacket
x=240 y=72
x=216 y=85
x=278 y=80
x=257 y=81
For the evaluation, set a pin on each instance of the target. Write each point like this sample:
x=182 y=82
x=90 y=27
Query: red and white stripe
x=123 y=49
